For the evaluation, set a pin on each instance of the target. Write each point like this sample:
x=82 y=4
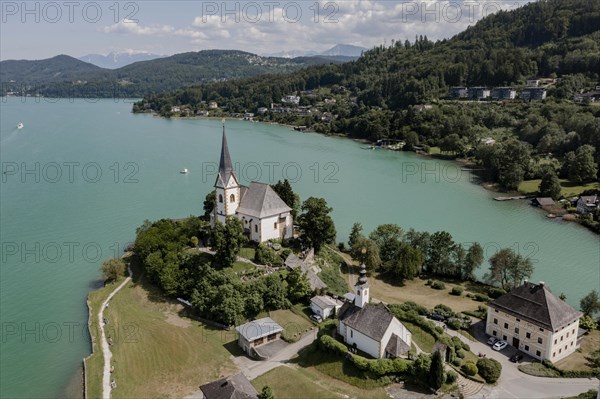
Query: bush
x=460 y=353
x=489 y=369
x=412 y=306
x=457 y=362
x=380 y=367
x=438 y=285
x=331 y=344
x=469 y=369
x=429 y=282
x=481 y=298
x=496 y=292
x=454 y=323
x=456 y=291
x=587 y=323
x=451 y=377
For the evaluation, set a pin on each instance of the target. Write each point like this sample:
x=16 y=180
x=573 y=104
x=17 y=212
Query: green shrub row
x=331 y=344
x=571 y=373
x=381 y=367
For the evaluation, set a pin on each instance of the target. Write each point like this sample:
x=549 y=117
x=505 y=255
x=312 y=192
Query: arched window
x=256 y=228
x=220 y=198
x=232 y=198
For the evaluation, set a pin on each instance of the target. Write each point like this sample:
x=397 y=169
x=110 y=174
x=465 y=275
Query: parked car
x=316 y=318
x=492 y=340
x=516 y=358
x=436 y=317
x=499 y=345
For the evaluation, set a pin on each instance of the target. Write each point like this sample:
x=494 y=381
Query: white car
x=492 y=340
x=498 y=346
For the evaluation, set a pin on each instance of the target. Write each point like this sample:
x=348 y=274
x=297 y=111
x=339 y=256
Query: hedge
x=331 y=344
x=469 y=368
x=456 y=291
x=438 y=285
x=451 y=377
x=489 y=369
x=381 y=367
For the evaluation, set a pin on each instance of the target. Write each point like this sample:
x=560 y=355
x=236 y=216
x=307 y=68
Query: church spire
x=225 y=164
x=362 y=288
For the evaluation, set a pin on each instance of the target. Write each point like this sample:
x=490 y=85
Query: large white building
x=532 y=319
x=262 y=212
x=372 y=328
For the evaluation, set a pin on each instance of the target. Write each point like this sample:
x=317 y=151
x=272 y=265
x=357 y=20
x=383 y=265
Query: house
x=201 y=113
x=543 y=201
x=587 y=203
x=504 y=93
x=330 y=101
x=175 y=109
x=262 y=110
x=293 y=262
x=479 y=93
x=262 y=212
x=488 y=141
x=532 y=319
x=459 y=92
x=256 y=333
x=533 y=93
x=234 y=387
x=213 y=105
x=372 y=328
x=291 y=100
x=422 y=107
x=533 y=82
x=325 y=306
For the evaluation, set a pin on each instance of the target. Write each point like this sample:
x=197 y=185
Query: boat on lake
x=184 y=172
x=20 y=125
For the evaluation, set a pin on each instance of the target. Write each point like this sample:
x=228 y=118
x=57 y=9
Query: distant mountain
x=340 y=50
x=117 y=60
x=345 y=50
x=67 y=76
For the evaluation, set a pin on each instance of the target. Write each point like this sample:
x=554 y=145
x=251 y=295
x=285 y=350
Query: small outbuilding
x=258 y=332
x=325 y=306
x=237 y=386
x=543 y=201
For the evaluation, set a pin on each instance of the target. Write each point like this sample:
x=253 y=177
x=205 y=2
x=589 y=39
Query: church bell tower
x=227 y=187
x=362 y=288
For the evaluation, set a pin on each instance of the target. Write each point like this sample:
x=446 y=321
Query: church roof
x=234 y=387
x=225 y=164
x=537 y=304
x=372 y=320
x=262 y=201
x=396 y=346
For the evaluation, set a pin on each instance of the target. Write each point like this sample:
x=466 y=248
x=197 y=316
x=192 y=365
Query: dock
x=520 y=197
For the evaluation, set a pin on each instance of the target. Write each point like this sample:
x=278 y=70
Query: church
x=262 y=212
x=372 y=328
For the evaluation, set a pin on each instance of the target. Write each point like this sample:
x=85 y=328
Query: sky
x=42 y=29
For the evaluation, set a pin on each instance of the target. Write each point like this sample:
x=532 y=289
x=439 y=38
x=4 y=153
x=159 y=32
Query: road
x=253 y=368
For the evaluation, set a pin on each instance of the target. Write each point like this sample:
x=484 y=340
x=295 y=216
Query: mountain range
x=115 y=60
x=343 y=50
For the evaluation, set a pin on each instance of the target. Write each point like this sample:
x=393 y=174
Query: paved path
x=106 y=387
x=253 y=368
x=515 y=384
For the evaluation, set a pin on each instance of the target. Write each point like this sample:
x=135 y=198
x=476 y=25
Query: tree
x=509 y=269
x=590 y=303
x=298 y=286
x=366 y=251
x=594 y=358
x=550 y=185
x=562 y=296
x=436 y=371
x=511 y=162
x=355 y=232
x=227 y=240
x=275 y=293
x=387 y=237
x=583 y=167
x=266 y=393
x=489 y=369
x=473 y=261
x=315 y=223
x=439 y=252
x=406 y=264
x=286 y=193
x=209 y=204
x=587 y=323
x=194 y=242
x=112 y=268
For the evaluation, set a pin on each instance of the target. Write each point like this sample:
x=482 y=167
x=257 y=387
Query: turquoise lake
x=81 y=176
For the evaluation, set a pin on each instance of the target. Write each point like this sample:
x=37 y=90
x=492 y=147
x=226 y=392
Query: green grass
x=422 y=339
x=538 y=370
x=95 y=362
x=569 y=189
x=329 y=262
x=242 y=267
x=293 y=382
x=247 y=253
x=294 y=325
x=158 y=353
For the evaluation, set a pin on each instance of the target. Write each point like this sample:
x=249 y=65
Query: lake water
x=81 y=177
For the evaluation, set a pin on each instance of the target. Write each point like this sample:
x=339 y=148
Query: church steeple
x=225 y=164
x=227 y=187
x=362 y=288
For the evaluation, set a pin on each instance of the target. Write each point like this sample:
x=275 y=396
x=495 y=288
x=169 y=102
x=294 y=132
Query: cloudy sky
x=41 y=29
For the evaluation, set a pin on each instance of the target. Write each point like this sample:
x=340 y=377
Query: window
x=494 y=333
x=571 y=343
x=516 y=330
x=573 y=331
x=528 y=335
x=495 y=321
x=567 y=335
x=232 y=198
x=275 y=225
x=527 y=348
x=351 y=334
x=496 y=310
x=518 y=320
x=541 y=329
x=553 y=354
x=538 y=353
x=555 y=342
x=220 y=198
x=566 y=347
x=561 y=337
x=540 y=340
x=505 y=325
x=504 y=337
x=560 y=351
x=256 y=228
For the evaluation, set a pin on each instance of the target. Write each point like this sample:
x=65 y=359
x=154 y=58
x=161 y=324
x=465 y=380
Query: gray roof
x=258 y=328
x=537 y=304
x=396 y=346
x=589 y=199
x=325 y=301
x=260 y=201
x=545 y=201
x=225 y=164
x=349 y=296
x=372 y=320
x=292 y=261
x=234 y=387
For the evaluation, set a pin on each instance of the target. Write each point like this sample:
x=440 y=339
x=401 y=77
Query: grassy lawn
x=329 y=262
x=569 y=189
x=538 y=370
x=416 y=291
x=294 y=324
x=242 y=267
x=247 y=253
x=292 y=382
x=576 y=360
x=422 y=339
x=95 y=362
x=158 y=353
